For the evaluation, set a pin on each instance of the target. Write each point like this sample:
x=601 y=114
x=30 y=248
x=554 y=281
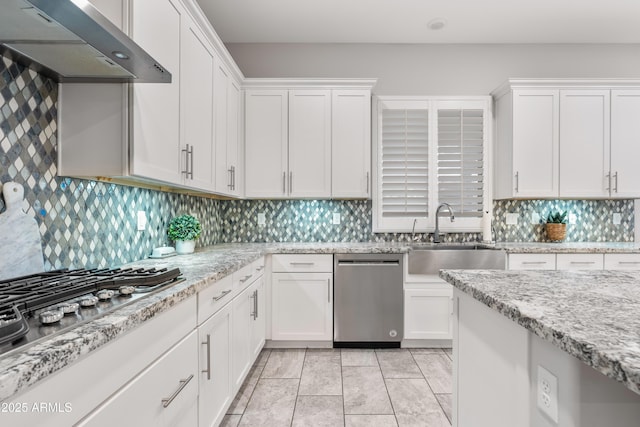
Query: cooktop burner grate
x=22 y=297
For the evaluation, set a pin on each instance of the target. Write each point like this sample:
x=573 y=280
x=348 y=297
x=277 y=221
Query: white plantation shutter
x=405 y=163
x=461 y=161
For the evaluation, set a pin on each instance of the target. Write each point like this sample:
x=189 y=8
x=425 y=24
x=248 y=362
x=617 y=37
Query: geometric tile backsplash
x=85 y=223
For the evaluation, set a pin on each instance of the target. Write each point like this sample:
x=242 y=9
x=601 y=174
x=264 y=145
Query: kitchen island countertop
x=592 y=315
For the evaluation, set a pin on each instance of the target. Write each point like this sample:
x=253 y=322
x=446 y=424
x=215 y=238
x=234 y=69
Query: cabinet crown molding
x=300 y=83
x=564 y=83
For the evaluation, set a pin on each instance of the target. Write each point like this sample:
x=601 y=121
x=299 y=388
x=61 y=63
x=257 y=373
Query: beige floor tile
x=230 y=421
x=284 y=364
x=414 y=403
x=364 y=391
x=318 y=411
x=358 y=357
x=445 y=402
x=370 y=421
x=271 y=404
x=321 y=374
x=398 y=364
x=438 y=370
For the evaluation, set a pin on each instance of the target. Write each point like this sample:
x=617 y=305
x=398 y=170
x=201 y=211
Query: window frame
x=432 y=104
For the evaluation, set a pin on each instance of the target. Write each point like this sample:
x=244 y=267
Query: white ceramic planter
x=185 y=246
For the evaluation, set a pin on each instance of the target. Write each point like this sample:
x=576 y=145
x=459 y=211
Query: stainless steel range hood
x=70 y=41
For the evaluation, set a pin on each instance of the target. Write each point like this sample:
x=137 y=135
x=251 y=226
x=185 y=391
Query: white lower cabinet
x=532 y=261
x=428 y=312
x=240 y=345
x=622 y=261
x=216 y=389
x=258 y=328
x=579 y=262
x=164 y=394
x=302 y=306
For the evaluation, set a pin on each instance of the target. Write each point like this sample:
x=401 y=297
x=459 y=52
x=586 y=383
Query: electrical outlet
x=336 y=218
x=512 y=219
x=617 y=218
x=535 y=218
x=548 y=393
x=573 y=218
x=262 y=219
x=142 y=220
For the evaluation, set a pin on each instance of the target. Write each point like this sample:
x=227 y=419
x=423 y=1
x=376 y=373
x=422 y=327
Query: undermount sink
x=430 y=259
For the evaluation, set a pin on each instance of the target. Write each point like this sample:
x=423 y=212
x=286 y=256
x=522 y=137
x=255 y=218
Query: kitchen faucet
x=436 y=236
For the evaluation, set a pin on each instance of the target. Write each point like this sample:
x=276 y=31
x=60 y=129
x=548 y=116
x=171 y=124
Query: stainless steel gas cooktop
x=40 y=305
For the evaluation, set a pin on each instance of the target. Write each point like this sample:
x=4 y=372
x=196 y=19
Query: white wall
x=422 y=69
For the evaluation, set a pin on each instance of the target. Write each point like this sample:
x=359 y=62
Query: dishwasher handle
x=368 y=263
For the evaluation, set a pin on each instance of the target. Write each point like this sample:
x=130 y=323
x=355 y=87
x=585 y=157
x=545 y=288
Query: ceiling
x=405 y=21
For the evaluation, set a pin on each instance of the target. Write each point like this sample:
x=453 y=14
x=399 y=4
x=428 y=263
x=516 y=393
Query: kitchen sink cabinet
x=216 y=388
x=567 y=138
x=428 y=311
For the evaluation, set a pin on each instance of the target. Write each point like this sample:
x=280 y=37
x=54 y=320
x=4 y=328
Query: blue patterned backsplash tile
x=86 y=223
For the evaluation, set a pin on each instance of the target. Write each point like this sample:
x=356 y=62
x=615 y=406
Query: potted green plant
x=183 y=230
x=557 y=225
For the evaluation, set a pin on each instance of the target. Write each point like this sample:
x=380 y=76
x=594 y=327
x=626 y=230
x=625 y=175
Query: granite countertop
x=568 y=247
x=30 y=364
x=592 y=315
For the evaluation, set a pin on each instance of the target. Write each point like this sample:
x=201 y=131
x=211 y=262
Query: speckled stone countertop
x=28 y=365
x=568 y=247
x=592 y=315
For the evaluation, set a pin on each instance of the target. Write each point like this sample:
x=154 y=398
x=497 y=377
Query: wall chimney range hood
x=71 y=42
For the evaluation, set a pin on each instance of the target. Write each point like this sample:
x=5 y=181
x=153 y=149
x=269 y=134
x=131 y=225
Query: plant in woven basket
x=557 y=225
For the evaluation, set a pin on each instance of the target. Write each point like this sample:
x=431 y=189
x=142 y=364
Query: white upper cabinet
x=567 y=138
x=351 y=143
x=196 y=91
x=584 y=143
x=220 y=98
x=156 y=106
x=266 y=135
x=234 y=165
x=527 y=149
x=625 y=143
x=310 y=143
x=307 y=139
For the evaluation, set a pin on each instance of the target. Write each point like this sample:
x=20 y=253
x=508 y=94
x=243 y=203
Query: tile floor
x=352 y=388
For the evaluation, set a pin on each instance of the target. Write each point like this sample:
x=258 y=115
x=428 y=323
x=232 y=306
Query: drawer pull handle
x=221 y=295
x=302 y=263
x=534 y=262
x=329 y=291
x=628 y=262
x=245 y=278
x=208 y=344
x=582 y=262
x=183 y=384
x=260 y=268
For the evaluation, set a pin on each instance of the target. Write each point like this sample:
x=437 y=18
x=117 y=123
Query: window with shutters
x=430 y=151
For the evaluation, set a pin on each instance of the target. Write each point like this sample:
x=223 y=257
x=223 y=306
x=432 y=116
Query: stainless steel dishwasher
x=368 y=308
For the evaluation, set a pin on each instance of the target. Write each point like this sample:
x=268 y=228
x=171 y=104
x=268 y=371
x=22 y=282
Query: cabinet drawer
x=532 y=262
x=622 y=261
x=242 y=278
x=301 y=263
x=579 y=262
x=213 y=298
x=258 y=267
x=164 y=394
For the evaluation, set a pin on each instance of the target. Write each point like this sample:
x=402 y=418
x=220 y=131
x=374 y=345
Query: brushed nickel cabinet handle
x=615 y=177
x=208 y=344
x=534 y=262
x=230 y=185
x=185 y=172
x=221 y=295
x=245 y=278
x=290 y=182
x=517 y=181
x=183 y=383
x=191 y=171
x=628 y=262
x=284 y=183
x=302 y=263
x=367 y=182
x=329 y=291
x=609 y=181
x=582 y=262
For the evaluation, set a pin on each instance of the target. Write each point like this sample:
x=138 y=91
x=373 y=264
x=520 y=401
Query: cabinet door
x=584 y=143
x=310 y=143
x=242 y=308
x=142 y=401
x=233 y=131
x=579 y=261
x=350 y=143
x=258 y=323
x=216 y=390
x=625 y=143
x=532 y=261
x=196 y=97
x=535 y=143
x=266 y=118
x=156 y=106
x=428 y=313
x=302 y=306
x=622 y=261
x=220 y=96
